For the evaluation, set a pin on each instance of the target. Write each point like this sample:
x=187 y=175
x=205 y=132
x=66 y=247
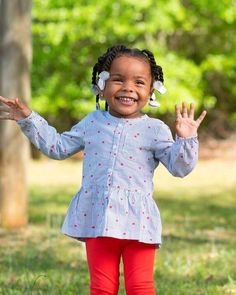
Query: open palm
x=13 y=109
x=185 y=124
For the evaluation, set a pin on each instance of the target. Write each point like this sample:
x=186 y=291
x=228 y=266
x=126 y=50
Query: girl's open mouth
x=126 y=100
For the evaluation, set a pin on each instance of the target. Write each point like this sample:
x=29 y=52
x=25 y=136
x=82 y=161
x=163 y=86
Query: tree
x=193 y=40
x=15 y=61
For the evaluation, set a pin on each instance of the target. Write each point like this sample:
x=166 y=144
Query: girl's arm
x=179 y=156
x=44 y=137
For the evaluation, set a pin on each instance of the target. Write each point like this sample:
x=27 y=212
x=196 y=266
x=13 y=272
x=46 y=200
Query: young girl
x=114 y=212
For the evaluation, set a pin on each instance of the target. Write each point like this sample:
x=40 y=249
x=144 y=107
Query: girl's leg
x=103 y=255
x=138 y=259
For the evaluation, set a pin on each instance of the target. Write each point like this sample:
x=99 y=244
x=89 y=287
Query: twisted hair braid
x=104 y=63
x=156 y=70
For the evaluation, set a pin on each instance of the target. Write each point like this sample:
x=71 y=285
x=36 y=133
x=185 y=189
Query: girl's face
x=129 y=87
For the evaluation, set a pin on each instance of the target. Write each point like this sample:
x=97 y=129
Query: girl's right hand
x=13 y=109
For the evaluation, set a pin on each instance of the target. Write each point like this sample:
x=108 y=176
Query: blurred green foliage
x=193 y=40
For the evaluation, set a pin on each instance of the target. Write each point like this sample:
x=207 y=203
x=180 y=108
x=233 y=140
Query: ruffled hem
x=122 y=215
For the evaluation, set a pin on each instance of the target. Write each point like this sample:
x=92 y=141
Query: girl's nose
x=127 y=86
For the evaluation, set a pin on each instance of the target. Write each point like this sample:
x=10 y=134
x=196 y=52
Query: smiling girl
x=114 y=212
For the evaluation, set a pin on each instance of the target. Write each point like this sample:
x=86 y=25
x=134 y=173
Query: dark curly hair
x=104 y=63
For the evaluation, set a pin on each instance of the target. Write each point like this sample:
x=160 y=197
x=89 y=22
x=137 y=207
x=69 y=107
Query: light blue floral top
x=120 y=156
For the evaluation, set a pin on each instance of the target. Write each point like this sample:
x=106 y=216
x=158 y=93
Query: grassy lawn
x=198 y=255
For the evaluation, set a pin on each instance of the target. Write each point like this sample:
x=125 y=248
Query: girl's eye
x=117 y=80
x=140 y=82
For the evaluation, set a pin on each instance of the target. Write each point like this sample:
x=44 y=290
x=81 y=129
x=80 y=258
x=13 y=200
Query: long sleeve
x=49 y=141
x=179 y=156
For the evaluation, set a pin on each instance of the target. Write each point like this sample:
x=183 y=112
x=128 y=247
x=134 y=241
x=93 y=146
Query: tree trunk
x=15 y=62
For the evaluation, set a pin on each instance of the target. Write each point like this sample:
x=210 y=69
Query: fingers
x=13 y=109
x=7 y=101
x=191 y=111
x=12 y=103
x=18 y=103
x=4 y=109
x=6 y=117
x=201 y=117
x=177 y=112
x=181 y=114
x=184 y=112
x=4 y=100
x=7 y=114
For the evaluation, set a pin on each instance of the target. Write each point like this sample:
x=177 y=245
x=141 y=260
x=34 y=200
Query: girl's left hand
x=185 y=124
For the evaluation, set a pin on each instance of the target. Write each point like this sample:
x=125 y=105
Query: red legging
x=104 y=254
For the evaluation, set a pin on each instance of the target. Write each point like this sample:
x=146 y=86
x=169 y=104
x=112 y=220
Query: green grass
x=198 y=255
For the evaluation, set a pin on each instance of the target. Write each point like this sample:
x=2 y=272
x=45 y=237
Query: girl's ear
x=101 y=95
x=100 y=92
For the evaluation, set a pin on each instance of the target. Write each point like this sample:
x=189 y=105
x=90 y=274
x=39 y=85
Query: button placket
x=114 y=152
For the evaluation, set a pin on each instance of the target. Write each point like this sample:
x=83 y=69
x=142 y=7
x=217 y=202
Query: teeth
x=126 y=99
